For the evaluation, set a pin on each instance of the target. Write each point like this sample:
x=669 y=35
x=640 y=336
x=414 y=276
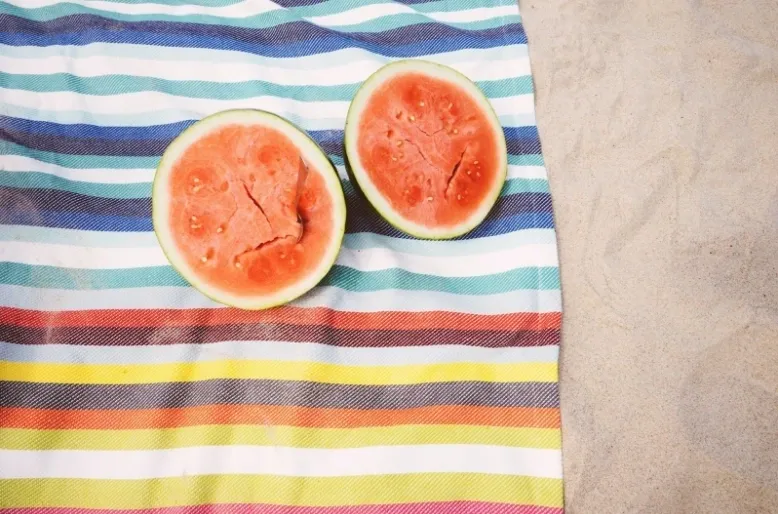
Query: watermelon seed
x=399 y=143
x=398 y=115
x=421 y=104
x=194 y=218
x=219 y=229
x=238 y=265
x=456 y=131
x=394 y=158
x=412 y=117
x=195 y=180
x=477 y=173
x=450 y=105
x=459 y=197
x=195 y=226
x=283 y=256
x=224 y=187
x=469 y=172
x=429 y=198
x=475 y=162
x=196 y=188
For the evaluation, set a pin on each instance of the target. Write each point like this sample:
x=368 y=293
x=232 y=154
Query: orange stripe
x=282 y=315
x=271 y=415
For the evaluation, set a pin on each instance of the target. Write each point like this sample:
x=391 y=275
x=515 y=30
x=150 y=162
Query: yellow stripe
x=261 y=435
x=275 y=370
x=324 y=492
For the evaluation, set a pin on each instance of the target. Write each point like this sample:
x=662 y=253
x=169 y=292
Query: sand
x=659 y=122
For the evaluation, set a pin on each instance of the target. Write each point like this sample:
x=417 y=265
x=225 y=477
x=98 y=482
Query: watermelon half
x=426 y=148
x=248 y=209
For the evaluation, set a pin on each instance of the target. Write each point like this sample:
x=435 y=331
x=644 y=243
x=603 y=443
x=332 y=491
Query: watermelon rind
x=317 y=160
x=376 y=199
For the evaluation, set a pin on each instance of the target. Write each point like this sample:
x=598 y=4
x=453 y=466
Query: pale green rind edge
x=261 y=302
x=374 y=197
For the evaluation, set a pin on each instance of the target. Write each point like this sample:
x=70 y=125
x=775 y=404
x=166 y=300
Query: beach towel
x=420 y=377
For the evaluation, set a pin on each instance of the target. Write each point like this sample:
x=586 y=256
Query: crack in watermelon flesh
x=429 y=149
x=247 y=213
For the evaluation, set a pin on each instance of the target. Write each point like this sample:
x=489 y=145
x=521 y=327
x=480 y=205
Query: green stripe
x=298 y=491
x=272 y=18
x=125 y=162
x=114 y=84
x=36 y=180
x=349 y=279
x=260 y=435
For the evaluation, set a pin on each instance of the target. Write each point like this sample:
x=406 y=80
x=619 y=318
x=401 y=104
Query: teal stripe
x=358 y=241
x=122 y=84
x=35 y=180
x=187 y=298
x=124 y=162
x=288 y=14
x=321 y=62
x=267 y=350
x=334 y=6
x=270 y=19
x=348 y=279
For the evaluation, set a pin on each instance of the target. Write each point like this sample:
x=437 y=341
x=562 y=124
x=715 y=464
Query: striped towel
x=418 y=378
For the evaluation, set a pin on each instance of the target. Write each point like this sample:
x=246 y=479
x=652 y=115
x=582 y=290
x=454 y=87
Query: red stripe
x=52 y=419
x=281 y=315
x=406 y=508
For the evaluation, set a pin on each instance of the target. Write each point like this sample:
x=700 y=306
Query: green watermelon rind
x=312 y=153
x=375 y=198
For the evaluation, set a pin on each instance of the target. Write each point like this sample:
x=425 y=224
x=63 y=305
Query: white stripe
x=196 y=108
x=527 y=172
x=369 y=259
x=49 y=299
x=226 y=72
x=371 y=12
x=242 y=9
x=281 y=461
x=106 y=353
x=200 y=55
x=21 y=163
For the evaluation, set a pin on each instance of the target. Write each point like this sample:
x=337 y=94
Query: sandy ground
x=659 y=122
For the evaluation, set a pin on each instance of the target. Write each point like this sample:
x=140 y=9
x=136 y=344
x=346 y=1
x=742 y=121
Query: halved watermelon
x=426 y=149
x=248 y=209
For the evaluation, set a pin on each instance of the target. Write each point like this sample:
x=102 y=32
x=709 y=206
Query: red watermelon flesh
x=246 y=215
x=429 y=149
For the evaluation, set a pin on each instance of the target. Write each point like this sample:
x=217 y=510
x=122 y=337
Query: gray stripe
x=277 y=393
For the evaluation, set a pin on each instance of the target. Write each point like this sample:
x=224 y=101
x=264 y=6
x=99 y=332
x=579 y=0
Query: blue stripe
x=26 y=199
x=81 y=139
x=286 y=40
x=169 y=131
x=103 y=222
